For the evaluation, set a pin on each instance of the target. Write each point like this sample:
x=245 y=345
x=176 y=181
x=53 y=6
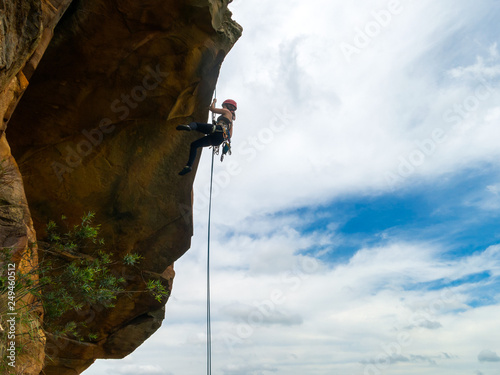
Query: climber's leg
x=198 y=126
x=202 y=142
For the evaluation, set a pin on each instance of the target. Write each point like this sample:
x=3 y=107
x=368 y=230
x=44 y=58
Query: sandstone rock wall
x=26 y=27
x=94 y=130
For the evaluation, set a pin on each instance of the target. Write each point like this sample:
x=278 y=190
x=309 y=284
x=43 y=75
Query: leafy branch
x=75 y=271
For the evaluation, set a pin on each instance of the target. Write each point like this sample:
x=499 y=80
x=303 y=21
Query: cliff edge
x=92 y=91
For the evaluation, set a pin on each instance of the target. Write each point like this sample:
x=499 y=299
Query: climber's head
x=230 y=104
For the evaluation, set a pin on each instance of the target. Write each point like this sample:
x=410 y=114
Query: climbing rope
x=209 y=323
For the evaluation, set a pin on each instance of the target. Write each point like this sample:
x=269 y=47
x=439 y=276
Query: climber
x=215 y=134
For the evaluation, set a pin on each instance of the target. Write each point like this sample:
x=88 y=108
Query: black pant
x=210 y=139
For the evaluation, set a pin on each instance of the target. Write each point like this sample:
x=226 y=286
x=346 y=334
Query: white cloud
x=247 y=369
x=263 y=313
x=488 y=356
x=323 y=319
x=351 y=126
x=485 y=67
x=133 y=369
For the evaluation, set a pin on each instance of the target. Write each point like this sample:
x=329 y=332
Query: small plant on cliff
x=131 y=259
x=75 y=272
x=79 y=261
x=156 y=289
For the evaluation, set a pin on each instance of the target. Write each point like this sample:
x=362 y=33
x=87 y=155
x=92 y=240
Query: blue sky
x=355 y=225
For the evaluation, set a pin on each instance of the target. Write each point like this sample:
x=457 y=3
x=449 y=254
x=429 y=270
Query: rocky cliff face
x=25 y=29
x=104 y=84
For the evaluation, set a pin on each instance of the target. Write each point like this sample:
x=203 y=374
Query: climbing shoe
x=185 y=170
x=184 y=127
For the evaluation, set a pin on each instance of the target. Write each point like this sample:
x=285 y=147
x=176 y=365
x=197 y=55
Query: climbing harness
x=226 y=144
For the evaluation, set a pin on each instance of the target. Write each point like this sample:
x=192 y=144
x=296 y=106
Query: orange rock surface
x=90 y=103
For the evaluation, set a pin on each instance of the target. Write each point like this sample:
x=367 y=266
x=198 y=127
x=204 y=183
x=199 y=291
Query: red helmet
x=232 y=102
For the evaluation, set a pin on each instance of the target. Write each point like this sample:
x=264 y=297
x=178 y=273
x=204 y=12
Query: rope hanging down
x=209 y=329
